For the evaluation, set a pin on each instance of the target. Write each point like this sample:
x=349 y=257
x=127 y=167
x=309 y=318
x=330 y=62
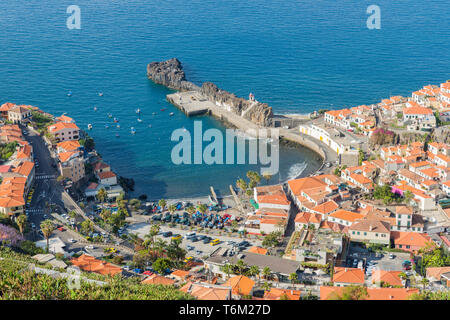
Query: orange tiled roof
x=373 y=293
x=411 y=238
x=326 y=207
x=241 y=285
x=346 y=215
x=205 y=292
x=106 y=174
x=64 y=156
x=58 y=126
x=157 y=279
x=348 y=275
x=258 y=250
x=276 y=294
x=89 y=263
x=388 y=277
x=24 y=168
x=70 y=145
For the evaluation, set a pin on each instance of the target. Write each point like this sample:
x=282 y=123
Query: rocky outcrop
x=170 y=74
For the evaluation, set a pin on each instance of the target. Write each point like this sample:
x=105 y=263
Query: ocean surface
x=297 y=56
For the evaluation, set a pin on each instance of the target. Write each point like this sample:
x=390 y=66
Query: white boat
x=139 y=120
x=109 y=115
x=106 y=126
x=138 y=110
x=118 y=126
x=100 y=94
x=69 y=94
x=89 y=126
x=95 y=108
x=116 y=120
x=133 y=131
x=153 y=113
x=171 y=114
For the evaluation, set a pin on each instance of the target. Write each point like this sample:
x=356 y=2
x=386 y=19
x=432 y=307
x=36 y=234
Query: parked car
x=176 y=237
x=167 y=234
x=194 y=239
x=147 y=273
x=391 y=256
x=89 y=247
x=137 y=270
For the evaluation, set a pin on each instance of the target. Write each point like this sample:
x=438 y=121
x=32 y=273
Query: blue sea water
x=297 y=56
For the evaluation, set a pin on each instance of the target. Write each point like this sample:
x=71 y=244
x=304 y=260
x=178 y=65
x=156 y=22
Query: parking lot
x=196 y=249
x=375 y=261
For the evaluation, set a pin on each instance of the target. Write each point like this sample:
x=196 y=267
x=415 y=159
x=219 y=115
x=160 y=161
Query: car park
x=190 y=248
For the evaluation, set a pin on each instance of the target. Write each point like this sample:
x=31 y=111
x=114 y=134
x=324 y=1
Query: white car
x=72 y=240
x=89 y=247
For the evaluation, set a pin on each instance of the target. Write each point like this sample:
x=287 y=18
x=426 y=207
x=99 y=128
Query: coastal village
x=371 y=224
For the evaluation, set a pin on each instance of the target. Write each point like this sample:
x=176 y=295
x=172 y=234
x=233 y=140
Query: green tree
x=162 y=203
x=266 y=272
x=293 y=277
x=152 y=233
x=241 y=184
x=87 y=227
x=161 y=265
x=172 y=208
x=21 y=222
x=254 y=272
x=266 y=286
x=102 y=194
x=202 y=208
x=47 y=228
x=267 y=176
x=227 y=269
x=350 y=293
x=240 y=267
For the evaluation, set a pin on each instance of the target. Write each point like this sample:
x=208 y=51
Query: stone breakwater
x=170 y=74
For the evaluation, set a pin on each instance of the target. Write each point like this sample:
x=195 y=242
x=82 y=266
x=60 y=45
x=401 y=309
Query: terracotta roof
x=373 y=293
x=157 y=279
x=348 y=275
x=70 y=145
x=206 y=292
x=388 y=277
x=241 y=285
x=346 y=215
x=89 y=263
x=64 y=156
x=417 y=110
x=371 y=226
x=276 y=294
x=258 y=250
x=64 y=118
x=410 y=238
x=403 y=210
x=106 y=174
x=326 y=207
x=24 y=168
x=308 y=217
x=7 y=106
x=436 y=272
x=100 y=165
x=182 y=274
x=62 y=125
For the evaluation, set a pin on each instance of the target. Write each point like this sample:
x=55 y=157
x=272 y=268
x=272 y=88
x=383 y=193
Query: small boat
x=163 y=109
x=133 y=131
x=138 y=110
x=95 y=108
x=89 y=126
x=106 y=126
x=139 y=120
x=100 y=94
x=116 y=120
x=109 y=115
x=153 y=113
x=171 y=114
x=118 y=126
x=149 y=125
x=69 y=94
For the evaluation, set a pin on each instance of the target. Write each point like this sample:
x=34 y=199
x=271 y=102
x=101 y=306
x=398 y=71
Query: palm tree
x=241 y=266
x=160 y=246
x=241 y=184
x=266 y=272
x=424 y=281
x=47 y=228
x=162 y=203
x=154 y=230
x=227 y=269
x=202 y=208
x=21 y=221
x=403 y=276
x=172 y=208
x=254 y=271
x=190 y=210
x=293 y=277
x=266 y=286
x=102 y=194
x=105 y=214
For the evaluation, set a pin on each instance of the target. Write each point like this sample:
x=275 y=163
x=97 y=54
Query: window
x=407 y=247
x=353 y=232
x=358 y=233
x=400 y=246
x=365 y=233
x=376 y=234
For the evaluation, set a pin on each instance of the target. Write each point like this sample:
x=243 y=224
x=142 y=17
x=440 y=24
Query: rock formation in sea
x=170 y=74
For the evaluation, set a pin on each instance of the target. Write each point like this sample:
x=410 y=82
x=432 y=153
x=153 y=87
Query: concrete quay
x=192 y=103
